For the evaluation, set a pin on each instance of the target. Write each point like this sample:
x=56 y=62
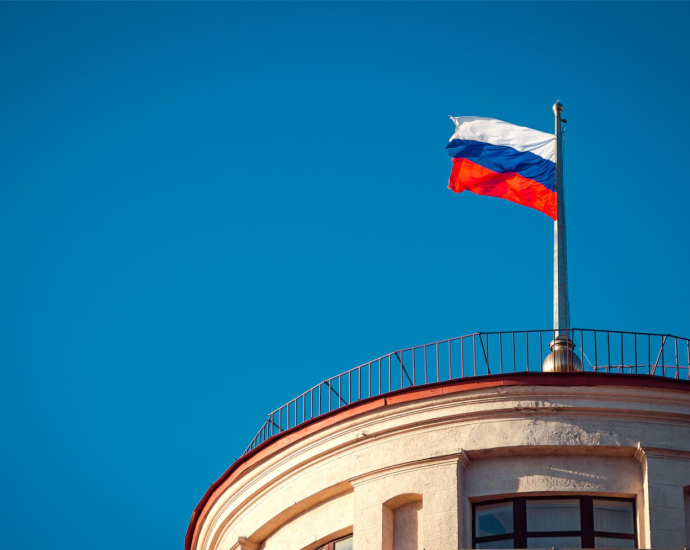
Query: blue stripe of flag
x=502 y=159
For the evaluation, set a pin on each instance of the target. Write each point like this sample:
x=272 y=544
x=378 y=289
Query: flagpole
x=561 y=307
x=562 y=357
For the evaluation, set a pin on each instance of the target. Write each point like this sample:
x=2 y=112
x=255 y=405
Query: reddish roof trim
x=421 y=392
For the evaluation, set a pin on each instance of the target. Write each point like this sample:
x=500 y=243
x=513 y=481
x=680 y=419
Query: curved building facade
x=508 y=460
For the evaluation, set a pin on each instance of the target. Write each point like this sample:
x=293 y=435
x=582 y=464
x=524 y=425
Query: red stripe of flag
x=469 y=176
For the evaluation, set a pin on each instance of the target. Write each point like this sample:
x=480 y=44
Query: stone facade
x=401 y=472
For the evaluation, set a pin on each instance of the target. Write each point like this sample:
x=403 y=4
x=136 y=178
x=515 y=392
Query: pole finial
x=557 y=108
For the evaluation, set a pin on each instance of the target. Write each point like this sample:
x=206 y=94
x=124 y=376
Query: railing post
x=438 y=370
x=474 y=353
x=450 y=362
x=425 y=375
x=514 y=365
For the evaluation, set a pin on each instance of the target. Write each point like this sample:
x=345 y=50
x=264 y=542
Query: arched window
x=340 y=544
x=562 y=522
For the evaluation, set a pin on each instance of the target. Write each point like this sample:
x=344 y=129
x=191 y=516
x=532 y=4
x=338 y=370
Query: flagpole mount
x=562 y=357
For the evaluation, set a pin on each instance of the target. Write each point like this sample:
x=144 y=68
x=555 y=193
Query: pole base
x=562 y=357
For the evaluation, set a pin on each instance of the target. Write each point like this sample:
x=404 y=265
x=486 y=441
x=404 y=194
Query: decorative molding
x=463 y=459
x=246 y=544
x=616 y=451
x=406 y=467
x=656 y=452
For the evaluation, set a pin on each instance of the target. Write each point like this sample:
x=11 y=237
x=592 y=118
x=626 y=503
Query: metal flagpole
x=562 y=357
x=561 y=307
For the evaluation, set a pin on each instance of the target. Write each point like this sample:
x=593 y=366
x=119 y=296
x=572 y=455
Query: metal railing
x=481 y=354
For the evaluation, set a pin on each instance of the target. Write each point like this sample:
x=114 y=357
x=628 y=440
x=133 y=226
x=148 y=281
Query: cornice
x=405 y=467
x=643 y=453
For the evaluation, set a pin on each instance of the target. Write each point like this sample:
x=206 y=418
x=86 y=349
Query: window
x=561 y=522
x=340 y=544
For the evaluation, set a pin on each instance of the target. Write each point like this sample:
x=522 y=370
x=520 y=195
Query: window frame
x=331 y=545
x=587 y=533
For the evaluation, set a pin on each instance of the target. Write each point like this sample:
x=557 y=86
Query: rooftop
x=477 y=355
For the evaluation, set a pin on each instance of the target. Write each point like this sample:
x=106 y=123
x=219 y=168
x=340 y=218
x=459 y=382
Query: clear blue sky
x=206 y=208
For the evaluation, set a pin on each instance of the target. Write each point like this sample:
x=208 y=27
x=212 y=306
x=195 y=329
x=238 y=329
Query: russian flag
x=495 y=158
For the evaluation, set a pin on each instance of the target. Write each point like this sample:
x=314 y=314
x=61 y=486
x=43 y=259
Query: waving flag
x=495 y=158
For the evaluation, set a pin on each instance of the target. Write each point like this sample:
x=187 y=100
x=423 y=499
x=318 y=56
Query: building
x=467 y=443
